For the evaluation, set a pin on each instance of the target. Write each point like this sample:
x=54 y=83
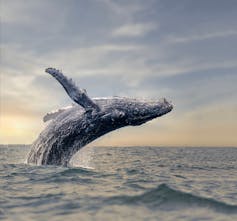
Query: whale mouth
x=168 y=106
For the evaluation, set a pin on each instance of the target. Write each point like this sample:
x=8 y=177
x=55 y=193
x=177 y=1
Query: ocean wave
x=76 y=171
x=165 y=197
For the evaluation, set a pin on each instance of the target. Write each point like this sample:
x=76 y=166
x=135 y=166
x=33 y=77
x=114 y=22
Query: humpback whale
x=73 y=127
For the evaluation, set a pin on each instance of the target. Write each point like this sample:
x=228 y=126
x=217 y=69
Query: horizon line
x=131 y=146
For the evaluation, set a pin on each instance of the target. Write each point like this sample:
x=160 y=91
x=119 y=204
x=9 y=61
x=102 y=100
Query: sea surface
x=121 y=183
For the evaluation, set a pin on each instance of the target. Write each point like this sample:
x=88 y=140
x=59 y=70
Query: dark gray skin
x=78 y=125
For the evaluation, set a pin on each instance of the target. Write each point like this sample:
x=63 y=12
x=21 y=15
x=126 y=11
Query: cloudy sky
x=183 y=50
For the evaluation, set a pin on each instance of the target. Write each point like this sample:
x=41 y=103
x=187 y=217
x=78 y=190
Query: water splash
x=83 y=158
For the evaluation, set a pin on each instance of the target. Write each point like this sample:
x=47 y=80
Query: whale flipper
x=53 y=114
x=78 y=95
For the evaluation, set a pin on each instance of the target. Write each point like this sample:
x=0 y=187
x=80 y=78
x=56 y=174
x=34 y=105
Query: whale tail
x=76 y=94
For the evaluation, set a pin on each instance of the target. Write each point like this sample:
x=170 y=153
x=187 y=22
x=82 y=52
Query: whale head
x=142 y=111
x=137 y=111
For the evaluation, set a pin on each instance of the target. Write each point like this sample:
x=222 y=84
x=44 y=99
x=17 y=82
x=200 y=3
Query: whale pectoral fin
x=53 y=114
x=76 y=94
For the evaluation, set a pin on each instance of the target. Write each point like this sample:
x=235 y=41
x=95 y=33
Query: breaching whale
x=73 y=127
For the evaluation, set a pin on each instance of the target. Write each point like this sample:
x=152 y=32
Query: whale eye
x=118 y=113
x=115 y=114
x=121 y=114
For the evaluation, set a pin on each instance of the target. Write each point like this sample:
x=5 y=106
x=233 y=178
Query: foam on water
x=83 y=158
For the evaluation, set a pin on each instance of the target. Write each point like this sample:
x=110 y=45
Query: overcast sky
x=183 y=50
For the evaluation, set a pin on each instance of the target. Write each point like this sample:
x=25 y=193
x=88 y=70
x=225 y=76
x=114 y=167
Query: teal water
x=121 y=183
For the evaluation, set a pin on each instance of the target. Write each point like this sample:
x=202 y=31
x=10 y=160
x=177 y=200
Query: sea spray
x=84 y=158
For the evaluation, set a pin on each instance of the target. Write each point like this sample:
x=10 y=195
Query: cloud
x=202 y=36
x=17 y=11
x=191 y=65
x=31 y=12
x=23 y=78
x=118 y=48
x=127 y=10
x=134 y=30
x=77 y=59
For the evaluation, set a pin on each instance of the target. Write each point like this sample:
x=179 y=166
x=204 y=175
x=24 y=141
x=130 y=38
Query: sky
x=182 y=50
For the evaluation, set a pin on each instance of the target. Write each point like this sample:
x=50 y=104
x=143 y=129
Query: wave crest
x=164 y=197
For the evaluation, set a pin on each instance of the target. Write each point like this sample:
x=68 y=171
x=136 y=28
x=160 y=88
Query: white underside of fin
x=53 y=114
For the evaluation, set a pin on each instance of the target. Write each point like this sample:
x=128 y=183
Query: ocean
x=121 y=183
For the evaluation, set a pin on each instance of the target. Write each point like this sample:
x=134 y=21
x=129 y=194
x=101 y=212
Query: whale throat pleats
x=78 y=95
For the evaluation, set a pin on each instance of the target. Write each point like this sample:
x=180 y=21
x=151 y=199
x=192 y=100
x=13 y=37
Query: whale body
x=74 y=126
